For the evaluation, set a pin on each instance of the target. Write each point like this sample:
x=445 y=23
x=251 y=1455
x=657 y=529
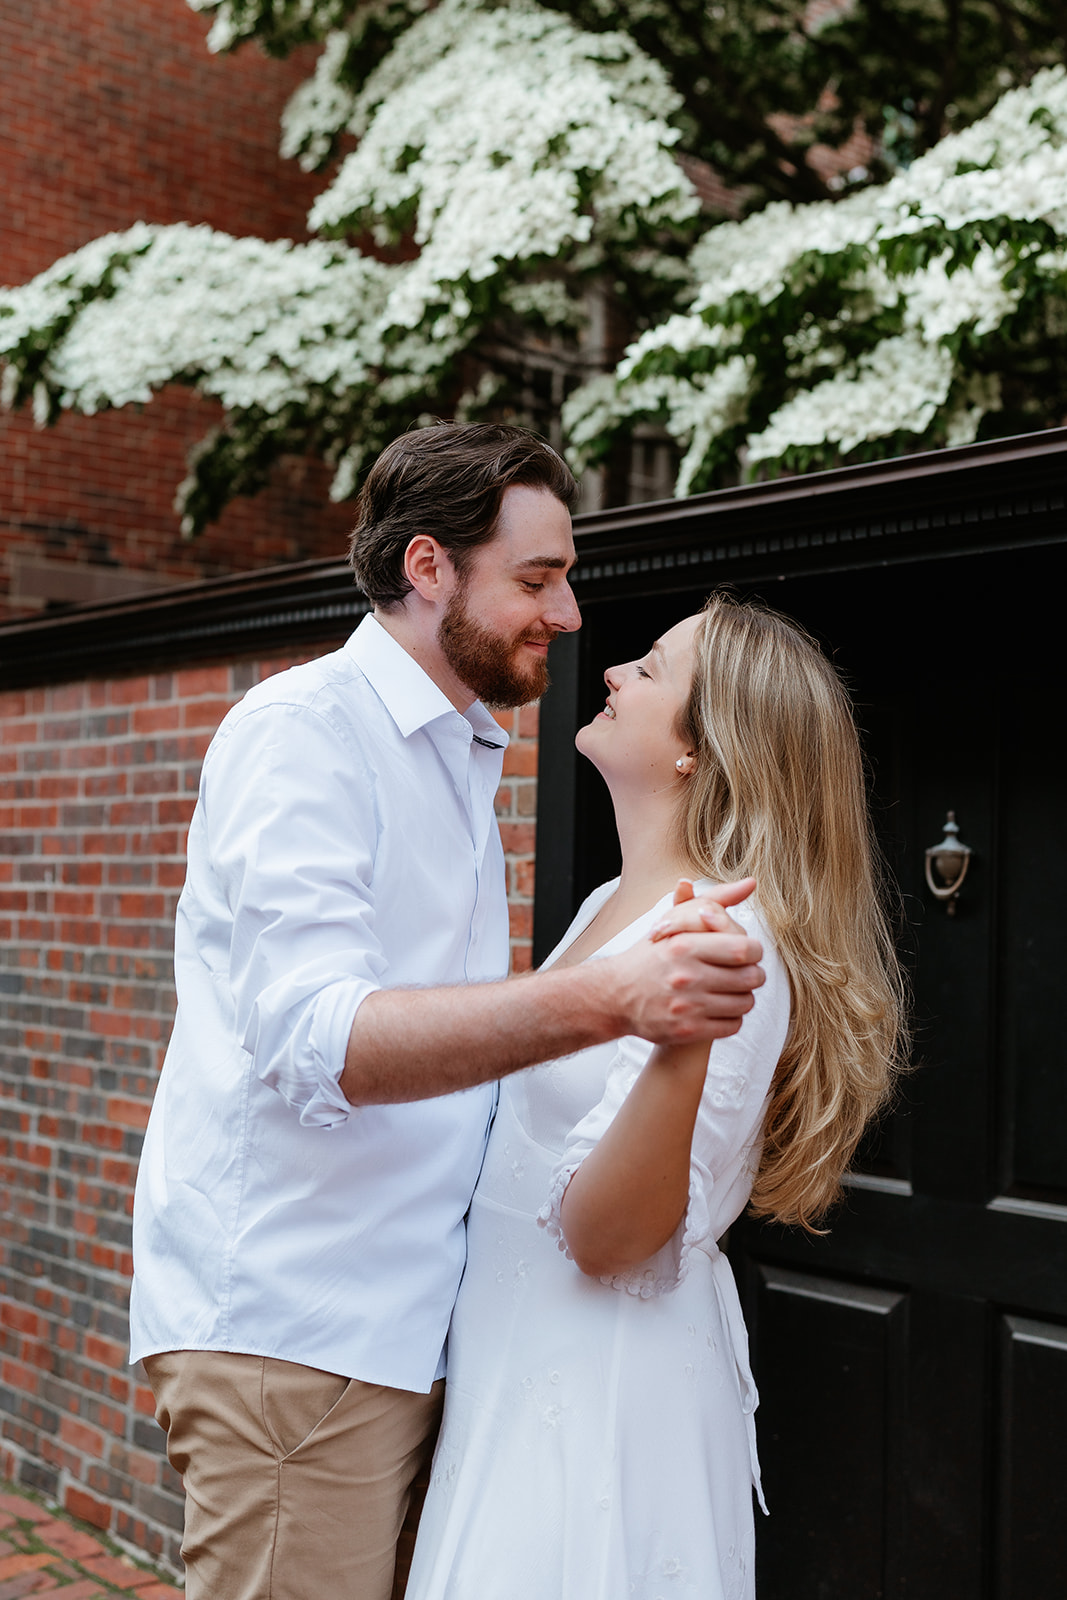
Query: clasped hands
x=713 y=975
x=706 y=913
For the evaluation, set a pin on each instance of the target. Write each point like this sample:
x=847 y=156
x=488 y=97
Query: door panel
x=833 y=1350
x=1032 y=896
x=1031 y=1449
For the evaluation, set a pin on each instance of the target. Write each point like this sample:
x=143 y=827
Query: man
x=321 y=1117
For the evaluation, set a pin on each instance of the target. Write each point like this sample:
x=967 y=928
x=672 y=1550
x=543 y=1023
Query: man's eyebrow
x=543 y=564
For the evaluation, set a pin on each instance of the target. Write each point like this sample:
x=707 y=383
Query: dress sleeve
x=288 y=824
x=726 y=1137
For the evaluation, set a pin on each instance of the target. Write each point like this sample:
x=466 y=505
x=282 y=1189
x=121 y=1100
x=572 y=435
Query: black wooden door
x=913 y=1363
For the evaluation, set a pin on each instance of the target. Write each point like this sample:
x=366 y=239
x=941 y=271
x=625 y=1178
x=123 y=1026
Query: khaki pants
x=296 y=1481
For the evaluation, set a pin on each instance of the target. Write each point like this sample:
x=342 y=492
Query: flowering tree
x=513 y=161
x=902 y=315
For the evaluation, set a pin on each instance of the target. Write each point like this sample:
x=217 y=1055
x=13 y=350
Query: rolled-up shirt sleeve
x=288 y=812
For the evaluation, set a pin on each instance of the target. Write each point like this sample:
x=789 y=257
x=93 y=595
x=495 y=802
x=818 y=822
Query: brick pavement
x=42 y=1554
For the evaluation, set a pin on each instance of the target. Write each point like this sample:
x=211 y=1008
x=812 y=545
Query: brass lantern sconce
x=950 y=858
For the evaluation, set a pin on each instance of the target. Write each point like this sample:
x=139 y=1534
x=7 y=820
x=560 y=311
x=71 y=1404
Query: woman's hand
x=703 y=913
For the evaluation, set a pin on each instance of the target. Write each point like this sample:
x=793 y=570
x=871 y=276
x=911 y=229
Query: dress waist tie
x=734 y=1323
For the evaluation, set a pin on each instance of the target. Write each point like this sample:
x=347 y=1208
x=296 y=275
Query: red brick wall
x=115 y=112
x=97 y=784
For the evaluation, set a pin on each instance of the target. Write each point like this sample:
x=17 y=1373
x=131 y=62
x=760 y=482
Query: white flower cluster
x=544 y=300
x=891 y=356
x=325 y=105
x=252 y=323
x=320 y=108
x=55 y=293
x=897 y=388
x=936 y=303
x=695 y=409
x=1011 y=164
x=238 y=19
x=502 y=135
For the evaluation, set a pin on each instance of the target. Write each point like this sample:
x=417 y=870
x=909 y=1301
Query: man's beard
x=485 y=661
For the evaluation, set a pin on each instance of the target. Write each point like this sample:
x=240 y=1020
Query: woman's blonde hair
x=778 y=793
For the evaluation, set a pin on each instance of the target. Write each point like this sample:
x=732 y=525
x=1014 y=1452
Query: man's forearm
x=413 y=1044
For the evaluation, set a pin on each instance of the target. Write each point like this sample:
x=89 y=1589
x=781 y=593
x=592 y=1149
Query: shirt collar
x=408 y=693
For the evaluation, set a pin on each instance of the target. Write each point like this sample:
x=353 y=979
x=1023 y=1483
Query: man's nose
x=565 y=616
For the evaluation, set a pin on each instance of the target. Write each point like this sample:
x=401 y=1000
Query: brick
x=518 y=838
x=116 y=1572
x=520 y=760
x=521 y=957
x=19 y=732
x=13 y=1566
x=202 y=681
x=104 y=1352
x=25 y=1510
x=91 y=1443
x=150 y=719
x=144 y=1401
x=128 y=691
x=88 y=1589
x=522 y=878
x=68 y=697
x=204 y=713
x=19 y=1318
x=128 y=1113
x=109 y=1023
x=84 y=1506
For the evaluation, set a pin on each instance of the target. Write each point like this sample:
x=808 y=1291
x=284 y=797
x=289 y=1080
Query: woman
x=598 y=1439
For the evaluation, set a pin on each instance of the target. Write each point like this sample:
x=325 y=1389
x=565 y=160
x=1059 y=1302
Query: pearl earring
x=681 y=763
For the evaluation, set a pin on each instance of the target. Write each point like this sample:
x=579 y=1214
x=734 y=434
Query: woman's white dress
x=598 y=1438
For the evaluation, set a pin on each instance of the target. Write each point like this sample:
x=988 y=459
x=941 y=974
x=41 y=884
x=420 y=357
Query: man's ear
x=428 y=568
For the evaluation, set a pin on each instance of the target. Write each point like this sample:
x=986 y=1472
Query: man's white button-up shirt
x=343 y=841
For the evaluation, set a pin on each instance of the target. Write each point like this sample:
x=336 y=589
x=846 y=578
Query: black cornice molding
x=281 y=608
x=947 y=502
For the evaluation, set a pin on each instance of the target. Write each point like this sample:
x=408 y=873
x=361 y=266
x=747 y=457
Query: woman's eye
x=642 y=673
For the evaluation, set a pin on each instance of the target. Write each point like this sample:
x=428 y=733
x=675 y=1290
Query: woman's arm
x=630 y=1193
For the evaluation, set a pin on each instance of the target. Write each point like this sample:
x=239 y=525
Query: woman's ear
x=428 y=568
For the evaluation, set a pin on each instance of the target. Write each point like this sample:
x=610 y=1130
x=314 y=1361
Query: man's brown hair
x=446 y=481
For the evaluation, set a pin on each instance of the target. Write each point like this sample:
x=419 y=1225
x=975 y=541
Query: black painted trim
x=951 y=502
x=557 y=764
x=282 y=608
